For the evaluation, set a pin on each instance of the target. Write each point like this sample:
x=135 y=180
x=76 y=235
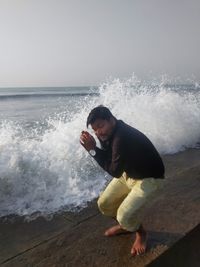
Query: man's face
x=103 y=128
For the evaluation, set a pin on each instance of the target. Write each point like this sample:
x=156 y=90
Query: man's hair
x=100 y=112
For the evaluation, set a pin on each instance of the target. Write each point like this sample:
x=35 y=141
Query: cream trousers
x=124 y=198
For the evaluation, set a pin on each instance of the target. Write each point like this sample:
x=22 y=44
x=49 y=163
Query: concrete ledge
x=185 y=253
x=76 y=239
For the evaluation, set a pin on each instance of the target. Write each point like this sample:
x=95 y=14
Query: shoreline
x=75 y=239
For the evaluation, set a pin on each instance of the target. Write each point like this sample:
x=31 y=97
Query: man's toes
x=133 y=251
x=106 y=233
x=137 y=251
x=141 y=251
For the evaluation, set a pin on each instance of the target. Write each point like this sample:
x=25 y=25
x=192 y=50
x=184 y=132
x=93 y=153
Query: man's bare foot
x=140 y=243
x=115 y=230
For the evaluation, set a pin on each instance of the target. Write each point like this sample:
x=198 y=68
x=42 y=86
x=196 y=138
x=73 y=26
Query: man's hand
x=87 y=141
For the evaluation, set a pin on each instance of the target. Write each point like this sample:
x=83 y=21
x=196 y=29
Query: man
x=138 y=171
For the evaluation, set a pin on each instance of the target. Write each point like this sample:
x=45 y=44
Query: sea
x=43 y=168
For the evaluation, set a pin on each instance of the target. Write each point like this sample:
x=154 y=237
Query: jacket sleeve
x=114 y=163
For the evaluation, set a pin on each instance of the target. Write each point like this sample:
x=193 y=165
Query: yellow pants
x=124 y=198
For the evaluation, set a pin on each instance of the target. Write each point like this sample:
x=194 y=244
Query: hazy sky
x=83 y=42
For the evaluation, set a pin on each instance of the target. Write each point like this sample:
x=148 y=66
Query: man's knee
x=128 y=221
x=106 y=206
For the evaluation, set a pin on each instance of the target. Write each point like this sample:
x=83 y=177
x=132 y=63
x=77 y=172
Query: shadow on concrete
x=184 y=253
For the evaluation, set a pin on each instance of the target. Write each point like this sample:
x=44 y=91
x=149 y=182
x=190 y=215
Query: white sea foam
x=170 y=118
x=49 y=171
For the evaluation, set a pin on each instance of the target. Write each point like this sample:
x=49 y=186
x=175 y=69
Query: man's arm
x=114 y=163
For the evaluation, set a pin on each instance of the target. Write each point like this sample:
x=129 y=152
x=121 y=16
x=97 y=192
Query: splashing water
x=42 y=172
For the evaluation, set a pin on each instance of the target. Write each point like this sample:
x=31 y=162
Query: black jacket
x=128 y=150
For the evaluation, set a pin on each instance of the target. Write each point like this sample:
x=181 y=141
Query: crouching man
x=138 y=171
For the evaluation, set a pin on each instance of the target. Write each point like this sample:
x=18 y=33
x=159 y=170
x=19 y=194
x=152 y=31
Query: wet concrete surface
x=76 y=239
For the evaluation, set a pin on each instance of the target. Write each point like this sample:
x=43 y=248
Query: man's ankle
x=141 y=230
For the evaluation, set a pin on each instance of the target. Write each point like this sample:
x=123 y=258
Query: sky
x=85 y=42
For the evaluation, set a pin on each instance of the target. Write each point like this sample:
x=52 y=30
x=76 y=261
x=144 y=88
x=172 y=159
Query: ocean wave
x=42 y=172
x=35 y=95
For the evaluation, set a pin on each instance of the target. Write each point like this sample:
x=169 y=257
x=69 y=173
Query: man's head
x=102 y=122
